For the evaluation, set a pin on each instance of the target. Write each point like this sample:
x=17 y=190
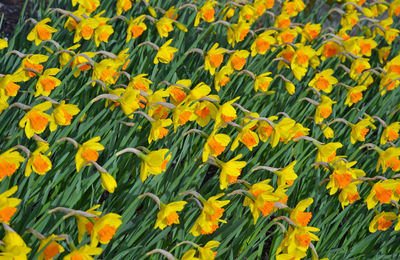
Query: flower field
x=205 y=129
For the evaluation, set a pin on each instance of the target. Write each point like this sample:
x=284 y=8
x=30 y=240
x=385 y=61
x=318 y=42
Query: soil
x=11 y=10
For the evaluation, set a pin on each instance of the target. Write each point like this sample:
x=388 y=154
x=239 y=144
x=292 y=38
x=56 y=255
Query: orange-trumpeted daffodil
x=222 y=77
x=262 y=82
x=226 y=113
x=165 y=53
x=360 y=130
x=63 y=114
x=237 y=60
x=167 y=214
x=324 y=109
x=10 y=161
x=136 y=27
x=287 y=175
x=85 y=252
x=32 y=62
x=215 y=145
x=41 y=32
x=298 y=216
x=382 y=192
x=88 y=151
x=246 y=136
x=323 y=81
x=155 y=162
x=206 y=12
x=390 y=133
x=343 y=175
x=50 y=248
x=14 y=247
x=230 y=171
x=263 y=43
x=388 y=158
x=47 y=82
x=158 y=130
x=327 y=152
x=123 y=5
x=104 y=229
x=35 y=120
x=164 y=26
x=39 y=161
x=213 y=58
x=382 y=221
x=8 y=206
x=354 y=95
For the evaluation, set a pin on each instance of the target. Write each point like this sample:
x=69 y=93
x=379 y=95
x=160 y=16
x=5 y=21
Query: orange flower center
x=330 y=50
x=204 y=112
x=266 y=130
x=213 y=228
x=51 y=250
x=6 y=214
x=164 y=165
x=108 y=74
x=384 y=223
x=184 y=117
x=352 y=197
x=216 y=147
x=177 y=94
x=38 y=121
x=355 y=97
x=312 y=34
x=37 y=67
x=90 y=155
x=284 y=23
x=287 y=37
x=262 y=45
x=243 y=34
x=303 y=218
x=238 y=62
x=392 y=135
x=217 y=213
x=162 y=132
x=302 y=58
x=365 y=47
x=232 y=179
x=40 y=164
x=127 y=5
x=43 y=33
x=343 y=180
x=140 y=86
x=172 y=218
x=304 y=240
x=67 y=116
x=208 y=15
x=89 y=227
x=224 y=81
x=227 y=118
x=103 y=36
x=360 y=68
x=326 y=112
x=77 y=257
x=266 y=208
x=364 y=132
x=48 y=84
x=106 y=233
x=249 y=140
x=86 y=31
x=331 y=157
x=216 y=59
x=322 y=83
x=288 y=55
x=382 y=194
x=6 y=168
x=11 y=89
x=264 y=86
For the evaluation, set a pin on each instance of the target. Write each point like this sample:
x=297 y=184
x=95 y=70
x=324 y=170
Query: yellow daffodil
x=32 y=62
x=246 y=136
x=262 y=82
x=381 y=192
x=390 y=133
x=8 y=206
x=354 y=95
x=104 y=229
x=84 y=224
x=165 y=53
x=88 y=151
x=206 y=12
x=226 y=113
x=389 y=158
x=360 y=130
x=63 y=114
x=41 y=32
x=158 y=130
x=167 y=214
x=46 y=82
x=108 y=182
x=155 y=162
x=323 y=81
x=237 y=60
x=263 y=43
x=324 y=109
x=327 y=152
x=10 y=161
x=102 y=33
x=222 y=77
x=382 y=221
x=287 y=175
x=310 y=32
x=298 y=216
x=85 y=252
x=35 y=120
x=50 y=247
x=14 y=247
x=214 y=58
x=164 y=26
x=123 y=5
x=215 y=145
x=204 y=112
x=237 y=32
x=349 y=194
x=3 y=44
x=230 y=171
x=358 y=66
x=38 y=161
x=136 y=27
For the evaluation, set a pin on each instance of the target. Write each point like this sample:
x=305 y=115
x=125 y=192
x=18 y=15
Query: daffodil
x=389 y=158
x=327 y=152
x=206 y=252
x=204 y=112
x=222 y=77
x=164 y=26
x=104 y=229
x=382 y=221
x=35 y=120
x=390 y=133
x=323 y=81
x=85 y=252
x=168 y=214
x=381 y=192
x=262 y=82
x=3 y=44
x=165 y=53
x=237 y=60
x=246 y=136
x=343 y=175
x=41 y=32
x=10 y=161
x=85 y=224
x=237 y=32
x=349 y=194
x=39 y=161
x=136 y=27
x=354 y=95
x=263 y=43
x=360 y=130
x=155 y=162
x=32 y=62
x=324 y=109
x=230 y=171
x=214 y=58
x=8 y=206
x=226 y=113
x=158 y=130
x=14 y=246
x=63 y=114
x=47 y=82
x=358 y=66
x=287 y=175
x=50 y=248
x=215 y=145
x=88 y=151
x=310 y=32
x=108 y=182
x=206 y=12
x=298 y=216
x=123 y=5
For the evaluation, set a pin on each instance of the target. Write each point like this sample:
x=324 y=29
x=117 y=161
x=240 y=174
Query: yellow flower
x=389 y=82
x=205 y=253
x=167 y=214
x=136 y=27
x=389 y=158
x=303 y=56
x=206 y=12
x=108 y=182
x=354 y=95
x=10 y=161
x=382 y=221
x=282 y=21
x=298 y=216
x=85 y=224
x=215 y=145
x=63 y=114
x=327 y=131
x=85 y=29
x=310 y=32
x=85 y=252
x=124 y=5
x=102 y=33
x=248 y=13
x=211 y=214
x=222 y=77
x=158 y=130
x=358 y=66
x=82 y=63
x=237 y=60
x=214 y=58
x=35 y=120
x=263 y=43
x=50 y=247
x=297 y=240
x=33 y=62
x=177 y=92
x=14 y=247
x=41 y=32
x=164 y=26
x=262 y=82
x=226 y=113
x=349 y=194
x=38 y=161
x=130 y=101
x=287 y=175
x=323 y=81
x=237 y=32
x=155 y=162
x=46 y=82
x=8 y=88
x=360 y=130
x=3 y=44
x=8 y=206
x=104 y=229
x=381 y=192
x=329 y=49
x=230 y=171
x=89 y=6
x=342 y=176
x=265 y=130
x=204 y=112
x=246 y=136
x=327 y=152
x=324 y=109
x=88 y=151
x=390 y=133
x=166 y=53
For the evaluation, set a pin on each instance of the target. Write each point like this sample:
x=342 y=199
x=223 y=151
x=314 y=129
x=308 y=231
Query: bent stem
x=153 y=196
x=69 y=139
